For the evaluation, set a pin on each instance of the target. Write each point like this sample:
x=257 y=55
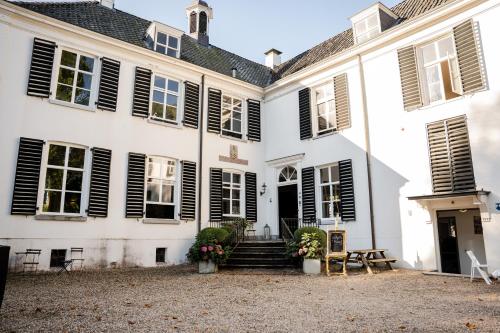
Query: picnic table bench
x=370 y=257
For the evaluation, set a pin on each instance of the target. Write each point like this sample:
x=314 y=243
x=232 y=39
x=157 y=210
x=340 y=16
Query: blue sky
x=251 y=27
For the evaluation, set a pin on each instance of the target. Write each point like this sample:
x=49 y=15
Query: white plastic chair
x=476 y=265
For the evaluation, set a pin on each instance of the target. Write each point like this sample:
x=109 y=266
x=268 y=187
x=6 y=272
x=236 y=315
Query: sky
x=251 y=27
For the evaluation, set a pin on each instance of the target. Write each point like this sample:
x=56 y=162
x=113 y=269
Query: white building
x=124 y=137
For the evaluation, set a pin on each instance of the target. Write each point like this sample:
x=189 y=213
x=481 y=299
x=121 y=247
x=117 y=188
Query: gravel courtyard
x=176 y=299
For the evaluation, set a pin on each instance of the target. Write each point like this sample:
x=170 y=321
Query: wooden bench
x=369 y=257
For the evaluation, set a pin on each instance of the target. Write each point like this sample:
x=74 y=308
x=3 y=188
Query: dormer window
x=371 y=22
x=367 y=28
x=166 y=44
x=164 y=39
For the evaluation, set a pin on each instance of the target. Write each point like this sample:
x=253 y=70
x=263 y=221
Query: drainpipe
x=200 y=156
x=368 y=148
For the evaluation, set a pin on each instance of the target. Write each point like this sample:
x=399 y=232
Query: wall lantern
x=267 y=232
x=263 y=191
x=498 y=206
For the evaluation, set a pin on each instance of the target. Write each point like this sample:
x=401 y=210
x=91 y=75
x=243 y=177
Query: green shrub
x=311 y=230
x=210 y=234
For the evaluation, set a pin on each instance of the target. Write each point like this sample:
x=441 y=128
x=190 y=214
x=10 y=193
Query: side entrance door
x=448 y=245
x=287 y=204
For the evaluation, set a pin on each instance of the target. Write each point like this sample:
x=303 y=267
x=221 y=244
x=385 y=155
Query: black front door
x=448 y=244
x=287 y=203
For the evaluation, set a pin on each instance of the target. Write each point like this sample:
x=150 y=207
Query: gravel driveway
x=177 y=299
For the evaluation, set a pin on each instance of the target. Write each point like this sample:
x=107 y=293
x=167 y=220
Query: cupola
x=371 y=22
x=199 y=14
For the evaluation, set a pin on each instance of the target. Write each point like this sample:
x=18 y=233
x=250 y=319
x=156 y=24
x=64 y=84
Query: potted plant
x=208 y=251
x=311 y=250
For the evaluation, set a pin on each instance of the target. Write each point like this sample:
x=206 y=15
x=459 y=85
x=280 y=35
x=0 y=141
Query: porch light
x=263 y=191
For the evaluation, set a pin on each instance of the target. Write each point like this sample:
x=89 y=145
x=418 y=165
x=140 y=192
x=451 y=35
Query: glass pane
x=446 y=48
x=236 y=207
x=324 y=175
x=173 y=86
x=154 y=168
x=226 y=99
x=84 y=81
x=158 y=96
x=325 y=193
x=57 y=155
x=236 y=178
x=160 y=82
x=432 y=74
x=322 y=123
x=74 y=180
x=72 y=203
x=237 y=103
x=236 y=194
x=226 y=193
x=435 y=93
x=237 y=115
x=226 y=177
x=237 y=126
x=320 y=94
x=171 y=100
x=429 y=53
x=372 y=21
x=326 y=210
x=167 y=195
x=226 y=124
x=76 y=158
x=329 y=90
x=173 y=42
x=170 y=170
x=82 y=97
x=336 y=193
x=172 y=53
x=68 y=59
x=153 y=192
x=86 y=64
x=52 y=202
x=282 y=178
x=322 y=109
x=334 y=171
x=162 y=38
x=157 y=110
x=360 y=27
x=64 y=93
x=226 y=204
x=53 y=179
x=161 y=49
x=160 y=211
x=171 y=113
x=66 y=76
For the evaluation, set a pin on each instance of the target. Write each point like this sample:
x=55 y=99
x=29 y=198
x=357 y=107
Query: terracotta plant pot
x=311 y=266
x=207 y=267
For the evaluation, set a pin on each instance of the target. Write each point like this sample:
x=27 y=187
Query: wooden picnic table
x=370 y=257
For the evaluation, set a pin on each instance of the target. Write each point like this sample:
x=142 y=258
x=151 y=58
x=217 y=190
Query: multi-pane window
x=232 y=116
x=165 y=99
x=367 y=28
x=231 y=194
x=441 y=74
x=166 y=44
x=160 y=188
x=330 y=191
x=64 y=180
x=325 y=109
x=74 y=81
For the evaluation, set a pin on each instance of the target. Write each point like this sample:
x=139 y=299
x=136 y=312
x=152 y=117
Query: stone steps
x=260 y=254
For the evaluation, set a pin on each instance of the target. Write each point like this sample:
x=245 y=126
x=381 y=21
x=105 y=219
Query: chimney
x=234 y=72
x=108 y=3
x=273 y=58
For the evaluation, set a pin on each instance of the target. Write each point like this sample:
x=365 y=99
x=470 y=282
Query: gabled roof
x=132 y=29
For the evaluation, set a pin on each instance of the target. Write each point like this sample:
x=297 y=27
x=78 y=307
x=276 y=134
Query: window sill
x=65 y=218
x=164 y=123
x=222 y=136
x=321 y=136
x=160 y=221
x=73 y=106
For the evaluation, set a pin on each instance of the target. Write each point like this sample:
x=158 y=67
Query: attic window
x=167 y=44
x=367 y=28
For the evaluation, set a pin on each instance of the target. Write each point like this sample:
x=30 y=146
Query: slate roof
x=132 y=29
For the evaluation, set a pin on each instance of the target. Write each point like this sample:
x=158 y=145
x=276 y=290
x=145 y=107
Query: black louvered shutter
x=251 y=197
x=214 y=110
x=42 y=62
x=305 y=114
x=215 y=194
x=108 y=85
x=253 y=120
x=347 y=205
x=29 y=159
x=191 y=104
x=188 y=196
x=99 y=182
x=308 y=195
x=135 y=185
x=142 y=91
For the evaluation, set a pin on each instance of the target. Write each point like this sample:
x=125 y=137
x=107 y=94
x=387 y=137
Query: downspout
x=368 y=149
x=200 y=156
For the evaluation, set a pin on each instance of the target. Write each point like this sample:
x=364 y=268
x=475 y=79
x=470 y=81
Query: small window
x=367 y=29
x=160 y=188
x=203 y=23
x=64 y=180
x=160 y=255
x=231 y=194
x=165 y=99
x=288 y=174
x=440 y=72
x=75 y=78
x=232 y=110
x=330 y=191
x=325 y=109
x=57 y=258
x=166 y=44
x=192 y=22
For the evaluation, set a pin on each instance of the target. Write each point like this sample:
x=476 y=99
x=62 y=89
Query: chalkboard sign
x=337 y=242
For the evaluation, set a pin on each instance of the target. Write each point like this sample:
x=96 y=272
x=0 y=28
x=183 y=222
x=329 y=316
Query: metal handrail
x=285 y=230
x=237 y=233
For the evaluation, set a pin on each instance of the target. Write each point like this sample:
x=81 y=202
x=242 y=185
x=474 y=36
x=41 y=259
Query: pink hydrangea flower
x=203 y=249
x=210 y=248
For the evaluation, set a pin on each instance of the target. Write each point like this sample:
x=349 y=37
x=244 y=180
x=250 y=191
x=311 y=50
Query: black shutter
x=214 y=110
x=191 y=104
x=142 y=91
x=108 y=85
x=305 y=114
x=253 y=120
x=135 y=185
x=42 y=62
x=251 y=197
x=99 y=182
x=410 y=82
x=308 y=195
x=215 y=194
x=347 y=205
x=188 y=197
x=29 y=159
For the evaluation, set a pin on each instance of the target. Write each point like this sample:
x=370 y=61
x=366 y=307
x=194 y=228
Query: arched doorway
x=288 y=207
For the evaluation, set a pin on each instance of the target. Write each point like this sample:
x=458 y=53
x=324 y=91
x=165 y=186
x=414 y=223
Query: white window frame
x=166 y=46
x=316 y=102
x=95 y=79
x=330 y=184
x=423 y=75
x=242 y=121
x=368 y=33
x=179 y=95
x=85 y=179
x=231 y=188
x=176 y=184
